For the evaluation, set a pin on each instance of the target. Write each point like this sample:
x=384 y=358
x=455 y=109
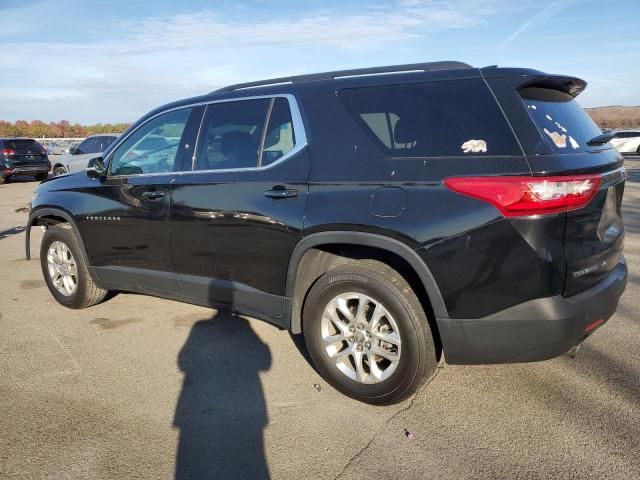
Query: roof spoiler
x=571 y=85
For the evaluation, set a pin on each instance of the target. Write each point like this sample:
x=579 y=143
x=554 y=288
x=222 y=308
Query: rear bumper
x=536 y=330
x=26 y=170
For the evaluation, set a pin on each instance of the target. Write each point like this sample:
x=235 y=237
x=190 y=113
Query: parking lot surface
x=140 y=387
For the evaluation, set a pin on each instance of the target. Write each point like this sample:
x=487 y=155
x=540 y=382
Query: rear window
x=22 y=145
x=565 y=125
x=449 y=118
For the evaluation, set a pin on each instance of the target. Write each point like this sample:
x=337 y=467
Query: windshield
x=563 y=122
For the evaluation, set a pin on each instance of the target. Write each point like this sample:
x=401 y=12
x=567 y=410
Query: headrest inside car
x=405 y=131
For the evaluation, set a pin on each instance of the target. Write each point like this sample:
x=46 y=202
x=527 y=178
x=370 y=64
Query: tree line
x=61 y=129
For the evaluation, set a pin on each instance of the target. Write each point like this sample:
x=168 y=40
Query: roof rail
x=411 y=67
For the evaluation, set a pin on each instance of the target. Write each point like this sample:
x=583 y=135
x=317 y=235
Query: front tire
x=367 y=333
x=57 y=171
x=64 y=266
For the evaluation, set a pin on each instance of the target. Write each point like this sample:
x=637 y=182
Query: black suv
x=392 y=215
x=23 y=156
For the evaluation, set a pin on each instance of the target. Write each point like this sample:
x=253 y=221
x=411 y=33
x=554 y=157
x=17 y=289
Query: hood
x=63 y=182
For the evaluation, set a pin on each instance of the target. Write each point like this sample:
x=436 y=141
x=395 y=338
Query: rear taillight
x=7 y=152
x=521 y=196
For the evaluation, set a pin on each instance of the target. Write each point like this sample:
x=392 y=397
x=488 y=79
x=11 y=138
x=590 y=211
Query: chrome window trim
x=298 y=131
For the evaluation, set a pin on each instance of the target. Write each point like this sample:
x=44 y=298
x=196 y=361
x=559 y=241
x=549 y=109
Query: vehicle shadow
x=21 y=179
x=11 y=231
x=221 y=411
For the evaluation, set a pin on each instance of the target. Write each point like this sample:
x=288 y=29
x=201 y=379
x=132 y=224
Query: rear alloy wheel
x=367 y=333
x=361 y=337
x=65 y=271
x=57 y=171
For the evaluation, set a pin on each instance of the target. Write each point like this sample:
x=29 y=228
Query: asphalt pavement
x=140 y=387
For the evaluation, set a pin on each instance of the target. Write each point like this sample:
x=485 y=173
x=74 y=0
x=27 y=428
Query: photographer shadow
x=221 y=411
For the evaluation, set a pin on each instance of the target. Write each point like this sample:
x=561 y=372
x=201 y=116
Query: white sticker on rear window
x=474 y=146
x=559 y=140
x=573 y=143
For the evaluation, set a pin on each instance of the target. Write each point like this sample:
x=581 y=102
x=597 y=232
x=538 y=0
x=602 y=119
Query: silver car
x=78 y=157
x=627 y=141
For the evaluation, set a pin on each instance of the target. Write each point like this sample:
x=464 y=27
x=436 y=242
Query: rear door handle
x=281 y=193
x=153 y=194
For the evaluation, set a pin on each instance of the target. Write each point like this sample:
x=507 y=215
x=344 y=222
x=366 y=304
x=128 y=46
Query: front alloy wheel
x=62 y=268
x=65 y=269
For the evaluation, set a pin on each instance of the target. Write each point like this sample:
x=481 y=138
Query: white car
x=626 y=141
x=78 y=157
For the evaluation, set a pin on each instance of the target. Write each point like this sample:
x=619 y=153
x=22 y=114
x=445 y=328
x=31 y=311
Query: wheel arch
x=49 y=216
x=316 y=254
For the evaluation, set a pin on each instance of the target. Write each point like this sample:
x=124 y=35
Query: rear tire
x=347 y=348
x=60 y=250
x=57 y=171
x=41 y=176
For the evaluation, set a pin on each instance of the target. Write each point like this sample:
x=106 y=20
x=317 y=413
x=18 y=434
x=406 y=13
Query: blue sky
x=108 y=61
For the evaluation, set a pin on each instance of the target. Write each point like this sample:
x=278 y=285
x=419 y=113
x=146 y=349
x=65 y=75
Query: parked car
x=626 y=141
x=391 y=215
x=78 y=157
x=23 y=156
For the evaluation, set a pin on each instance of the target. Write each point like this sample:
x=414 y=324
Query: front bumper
x=536 y=330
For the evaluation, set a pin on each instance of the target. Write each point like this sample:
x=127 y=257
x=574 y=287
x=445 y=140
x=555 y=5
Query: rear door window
x=231 y=133
x=448 y=118
x=244 y=134
x=565 y=125
x=279 y=137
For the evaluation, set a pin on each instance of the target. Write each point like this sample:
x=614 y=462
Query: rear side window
x=449 y=118
x=566 y=126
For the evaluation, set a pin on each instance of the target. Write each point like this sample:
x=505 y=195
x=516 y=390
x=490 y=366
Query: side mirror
x=96 y=169
x=72 y=150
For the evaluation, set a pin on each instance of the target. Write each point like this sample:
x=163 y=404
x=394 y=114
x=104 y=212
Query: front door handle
x=281 y=192
x=153 y=194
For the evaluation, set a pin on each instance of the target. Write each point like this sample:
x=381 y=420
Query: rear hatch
x=594 y=234
x=24 y=153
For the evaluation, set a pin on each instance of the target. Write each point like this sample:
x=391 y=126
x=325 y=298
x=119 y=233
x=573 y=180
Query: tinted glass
x=102 y=143
x=432 y=119
x=562 y=121
x=153 y=147
x=628 y=134
x=231 y=134
x=86 y=146
x=22 y=145
x=279 y=138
